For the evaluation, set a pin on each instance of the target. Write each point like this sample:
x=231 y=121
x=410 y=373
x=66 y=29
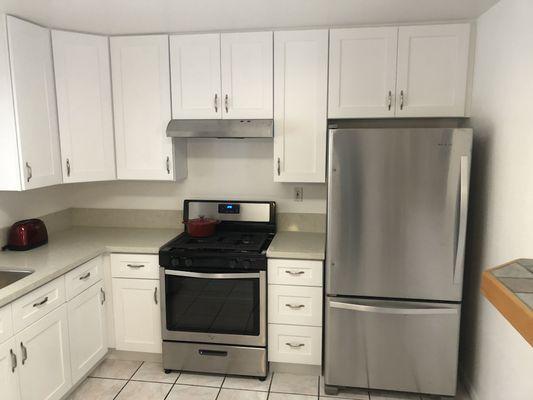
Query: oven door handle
x=202 y=275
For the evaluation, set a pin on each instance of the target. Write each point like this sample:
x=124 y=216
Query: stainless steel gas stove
x=214 y=290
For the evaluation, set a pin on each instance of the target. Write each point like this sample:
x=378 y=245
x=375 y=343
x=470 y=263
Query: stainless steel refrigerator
x=397 y=211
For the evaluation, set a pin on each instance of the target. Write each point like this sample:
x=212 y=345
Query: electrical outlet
x=298 y=194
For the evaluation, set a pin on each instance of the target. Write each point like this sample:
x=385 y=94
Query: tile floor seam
x=129 y=380
x=220 y=389
x=270 y=385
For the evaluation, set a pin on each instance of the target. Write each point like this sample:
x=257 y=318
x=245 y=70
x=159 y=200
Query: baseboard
x=298 y=369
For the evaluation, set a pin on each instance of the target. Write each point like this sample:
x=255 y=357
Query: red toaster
x=27 y=234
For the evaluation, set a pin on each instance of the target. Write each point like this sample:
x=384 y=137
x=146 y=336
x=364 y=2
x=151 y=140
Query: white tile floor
x=138 y=380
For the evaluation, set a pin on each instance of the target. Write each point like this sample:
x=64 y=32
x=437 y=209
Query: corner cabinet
x=29 y=137
x=300 y=105
x=85 y=110
x=407 y=71
x=141 y=93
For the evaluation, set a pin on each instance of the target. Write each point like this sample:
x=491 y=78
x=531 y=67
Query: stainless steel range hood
x=220 y=128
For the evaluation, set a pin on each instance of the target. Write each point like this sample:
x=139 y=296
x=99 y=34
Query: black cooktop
x=223 y=241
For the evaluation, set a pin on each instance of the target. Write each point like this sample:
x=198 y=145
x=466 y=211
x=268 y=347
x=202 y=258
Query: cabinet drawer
x=142 y=266
x=38 y=303
x=295 y=305
x=6 y=323
x=295 y=272
x=83 y=277
x=295 y=344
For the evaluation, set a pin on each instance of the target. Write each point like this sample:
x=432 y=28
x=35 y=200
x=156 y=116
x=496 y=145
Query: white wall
x=497 y=361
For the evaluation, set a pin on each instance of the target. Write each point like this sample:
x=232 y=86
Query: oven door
x=222 y=308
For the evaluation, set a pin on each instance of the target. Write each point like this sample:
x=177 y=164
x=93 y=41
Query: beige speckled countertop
x=299 y=245
x=69 y=248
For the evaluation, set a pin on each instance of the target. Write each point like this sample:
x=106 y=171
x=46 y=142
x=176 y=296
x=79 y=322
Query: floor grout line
x=129 y=380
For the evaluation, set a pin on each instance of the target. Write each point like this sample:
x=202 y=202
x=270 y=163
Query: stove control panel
x=229 y=208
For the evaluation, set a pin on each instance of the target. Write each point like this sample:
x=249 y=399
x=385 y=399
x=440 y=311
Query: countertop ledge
x=70 y=248
x=298 y=245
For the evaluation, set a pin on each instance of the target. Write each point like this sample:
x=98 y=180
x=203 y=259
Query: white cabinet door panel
x=9 y=370
x=247 y=75
x=195 y=75
x=295 y=305
x=295 y=344
x=141 y=96
x=6 y=323
x=83 y=82
x=362 y=72
x=300 y=107
x=35 y=103
x=45 y=357
x=432 y=70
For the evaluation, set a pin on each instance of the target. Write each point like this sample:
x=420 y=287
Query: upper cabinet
x=432 y=70
x=362 y=78
x=222 y=76
x=412 y=71
x=300 y=105
x=83 y=86
x=29 y=138
x=141 y=93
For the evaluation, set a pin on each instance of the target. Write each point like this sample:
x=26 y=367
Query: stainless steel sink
x=9 y=276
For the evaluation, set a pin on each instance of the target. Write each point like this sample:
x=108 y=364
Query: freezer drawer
x=392 y=345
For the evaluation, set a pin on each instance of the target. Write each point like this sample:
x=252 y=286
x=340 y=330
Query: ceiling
x=145 y=16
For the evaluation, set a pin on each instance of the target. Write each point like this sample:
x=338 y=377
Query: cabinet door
x=45 y=358
x=137 y=315
x=300 y=113
x=83 y=85
x=195 y=75
x=432 y=70
x=35 y=103
x=362 y=72
x=247 y=64
x=87 y=330
x=141 y=100
x=9 y=370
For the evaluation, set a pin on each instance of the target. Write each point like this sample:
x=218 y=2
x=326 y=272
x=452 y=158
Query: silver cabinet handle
x=294 y=273
x=389 y=100
x=102 y=291
x=42 y=302
x=216 y=102
x=24 y=353
x=135 y=265
x=86 y=276
x=401 y=99
x=463 y=214
x=68 y=167
x=392 y=310
x=155 y=295
x=226 y=103
x=279 y=166
x=13 y=360
x=168 y=165
x=30 y=172
x=295 y=306
x=295 y=345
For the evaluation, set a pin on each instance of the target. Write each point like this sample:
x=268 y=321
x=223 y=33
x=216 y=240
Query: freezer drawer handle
x=294 y=273
x=458 y=266
x=295 y=345
x=392 y=310
x=214 y=353
x=295 y=306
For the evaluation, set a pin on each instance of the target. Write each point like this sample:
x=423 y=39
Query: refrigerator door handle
x=393 y=310
x=464 y=188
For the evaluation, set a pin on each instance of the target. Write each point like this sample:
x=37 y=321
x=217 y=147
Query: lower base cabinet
x=137 y=315
x=43 y=357
x=87 y=330
x=9 y=374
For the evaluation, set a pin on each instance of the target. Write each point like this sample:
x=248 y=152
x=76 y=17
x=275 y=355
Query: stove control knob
x=187 y=262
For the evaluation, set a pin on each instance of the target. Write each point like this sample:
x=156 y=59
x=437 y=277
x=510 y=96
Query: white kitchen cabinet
x=362 y=75
x=432 y=70
x=141 y=101
x=137 y=315
x=300 y=106
x=9 y=370
x=45 y=358
x=87 y=330
x=195 y=75
x=29 y=140
x=247 y=75
x=6 y=323
x=83 y=85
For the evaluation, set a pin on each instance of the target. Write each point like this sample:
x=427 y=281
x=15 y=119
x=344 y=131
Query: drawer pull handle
x=24 y=351
x=294 y=273
x=295 y=306
x=295 y=345
x=213 y=353
x=86 y=276
x=13 y=360
x=102 y=291
x=42 y=302
x=136 y=265
x=155 y=295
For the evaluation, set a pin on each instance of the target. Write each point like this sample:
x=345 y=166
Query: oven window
x=224 y=306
